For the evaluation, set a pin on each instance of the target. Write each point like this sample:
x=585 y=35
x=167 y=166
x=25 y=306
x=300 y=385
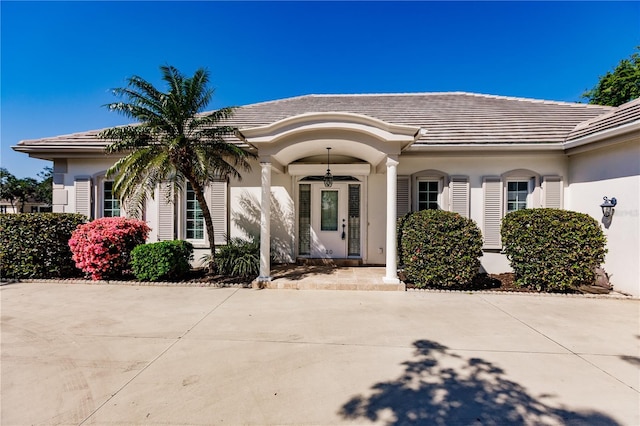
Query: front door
x=330 y=220
x=333 y=218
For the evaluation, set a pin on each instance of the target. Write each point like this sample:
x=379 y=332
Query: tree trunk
x=208 y=221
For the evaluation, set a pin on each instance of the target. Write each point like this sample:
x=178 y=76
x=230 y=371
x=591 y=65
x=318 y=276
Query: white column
x=265 y=224
x=391 y=275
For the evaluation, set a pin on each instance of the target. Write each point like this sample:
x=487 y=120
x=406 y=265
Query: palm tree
x=173 y=141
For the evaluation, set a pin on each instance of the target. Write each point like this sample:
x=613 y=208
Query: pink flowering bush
x=102 y=248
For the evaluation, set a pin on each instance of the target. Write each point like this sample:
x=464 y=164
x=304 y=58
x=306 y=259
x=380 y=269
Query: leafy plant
x=174 y=141
x=102 y=248
x=439 y=248
x=34 y=245
x=161 y=260
x=552 y=249
x=239 y=258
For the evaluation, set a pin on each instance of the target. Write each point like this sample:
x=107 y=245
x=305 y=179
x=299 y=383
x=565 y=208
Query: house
x=479 y=155
x=31 y=206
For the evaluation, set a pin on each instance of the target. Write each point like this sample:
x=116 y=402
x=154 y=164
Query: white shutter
x=218 y=207
x=459 y=195
x=403 y=201
x=166 y=211
x=82 y=186
x=492 y=212
x=552 y=192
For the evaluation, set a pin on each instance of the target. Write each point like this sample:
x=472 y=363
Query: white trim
x=330 y=120
x=417 y=147
x=336 y=169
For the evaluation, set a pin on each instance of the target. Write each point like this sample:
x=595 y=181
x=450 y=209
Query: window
x=428 y=191
x=512 y=191
x=195 y=219
x=517 y=193
x=329 y=210
x=3 y=209
x=433 y=189
x=110 y=204
x=304 y=220
x=41 y=209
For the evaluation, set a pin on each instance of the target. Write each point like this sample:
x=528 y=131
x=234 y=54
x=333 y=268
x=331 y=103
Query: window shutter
x=218 y=206
x=492 y=212
x=82 y=186
x=166 y=212
x=460 y=195
x=552 y=192
x=403 y=202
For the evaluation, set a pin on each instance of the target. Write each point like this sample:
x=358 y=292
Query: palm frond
x=174 y=141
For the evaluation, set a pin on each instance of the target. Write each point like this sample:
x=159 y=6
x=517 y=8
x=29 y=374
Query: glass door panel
x=329 y=210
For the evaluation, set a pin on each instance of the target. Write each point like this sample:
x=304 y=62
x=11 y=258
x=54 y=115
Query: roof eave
x=595 y=140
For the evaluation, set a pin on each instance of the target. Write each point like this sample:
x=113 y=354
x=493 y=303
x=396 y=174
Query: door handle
x=344 y=235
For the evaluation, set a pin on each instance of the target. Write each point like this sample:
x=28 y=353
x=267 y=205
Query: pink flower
x=102 y=248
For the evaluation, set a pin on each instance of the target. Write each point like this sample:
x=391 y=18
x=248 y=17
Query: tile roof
x=624 y=114
x=449 y=118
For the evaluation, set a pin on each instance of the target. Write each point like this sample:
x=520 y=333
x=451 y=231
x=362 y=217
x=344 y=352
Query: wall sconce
x=608 y=205
x=328 y=178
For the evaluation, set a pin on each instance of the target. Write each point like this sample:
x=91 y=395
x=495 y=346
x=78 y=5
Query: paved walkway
x=107 y=354
x=326 y=277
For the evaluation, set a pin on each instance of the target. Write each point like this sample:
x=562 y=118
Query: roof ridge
x=479 y=95
x=273 y=101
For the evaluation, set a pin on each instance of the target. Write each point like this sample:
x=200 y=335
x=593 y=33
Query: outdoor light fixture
x=328 y=177
x=608 y=205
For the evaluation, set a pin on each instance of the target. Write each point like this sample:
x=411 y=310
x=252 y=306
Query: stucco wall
x=245 y=209
x=478 y=165
x=612 y=172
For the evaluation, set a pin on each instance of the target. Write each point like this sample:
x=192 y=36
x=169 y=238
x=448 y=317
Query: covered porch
x=333 y=220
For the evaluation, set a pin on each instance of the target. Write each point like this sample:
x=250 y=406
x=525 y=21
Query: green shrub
x=165 y=260
x=439 y=248
x=34 y=245
x=552 y=249
x=239 y=258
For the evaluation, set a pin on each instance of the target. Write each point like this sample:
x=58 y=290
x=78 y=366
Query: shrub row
x=548 y=249
x=34 y=245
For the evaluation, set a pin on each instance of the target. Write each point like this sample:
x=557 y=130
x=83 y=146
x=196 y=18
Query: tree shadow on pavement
x=443 y=388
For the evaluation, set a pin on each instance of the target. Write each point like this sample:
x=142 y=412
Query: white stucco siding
x=81 y=167
x=477 y=166
x=245 y=207
x=612 y=172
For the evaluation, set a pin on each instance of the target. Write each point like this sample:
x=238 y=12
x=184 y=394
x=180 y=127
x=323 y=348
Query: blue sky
x=59 y=60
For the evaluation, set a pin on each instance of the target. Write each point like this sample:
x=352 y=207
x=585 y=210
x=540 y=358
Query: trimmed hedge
x=439 y=248
x=102 y=248
x=34 y=245
x=165 y=260
x=552 y=249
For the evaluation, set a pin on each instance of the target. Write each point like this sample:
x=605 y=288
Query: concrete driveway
x=107 y=354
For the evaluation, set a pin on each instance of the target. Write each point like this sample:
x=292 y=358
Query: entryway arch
x=360 y=144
